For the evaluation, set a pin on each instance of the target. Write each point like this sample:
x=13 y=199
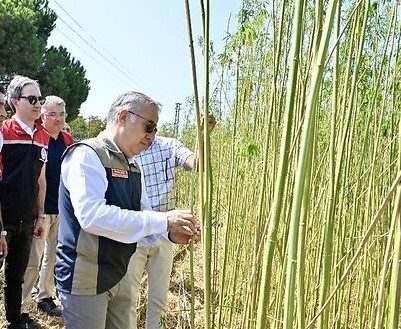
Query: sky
x=137 y=45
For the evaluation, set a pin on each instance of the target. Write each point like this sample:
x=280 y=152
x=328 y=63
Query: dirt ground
x=179 y=299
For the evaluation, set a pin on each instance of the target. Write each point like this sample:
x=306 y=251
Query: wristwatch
x=3 y=233
x=42 y=216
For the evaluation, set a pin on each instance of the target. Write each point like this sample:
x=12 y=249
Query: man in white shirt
x=103 y=213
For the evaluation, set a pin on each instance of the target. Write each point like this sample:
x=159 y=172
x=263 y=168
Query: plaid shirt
x=158 y=165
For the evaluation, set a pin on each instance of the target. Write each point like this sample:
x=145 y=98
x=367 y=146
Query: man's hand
x=182 y=226
x=183 y=238
x=3 y=248
x=39 y=229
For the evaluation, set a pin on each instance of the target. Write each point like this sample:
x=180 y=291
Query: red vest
x=22 y=158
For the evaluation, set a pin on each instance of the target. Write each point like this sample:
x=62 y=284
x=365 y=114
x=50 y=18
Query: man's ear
x=14 y=102
x=122 y=117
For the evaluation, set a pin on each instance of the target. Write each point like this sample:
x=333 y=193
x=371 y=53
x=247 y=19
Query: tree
x=78 y=128
x=24 y=29
x=85 y=128
x=63 y=76
x=95 y=125
x=25 y=26
x=166 y=129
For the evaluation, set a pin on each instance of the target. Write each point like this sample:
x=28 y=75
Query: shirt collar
x=24 y=126
x=111 y=141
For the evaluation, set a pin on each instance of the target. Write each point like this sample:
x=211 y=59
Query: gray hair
x=16 y=85
x=52 y=100
x=131 y=100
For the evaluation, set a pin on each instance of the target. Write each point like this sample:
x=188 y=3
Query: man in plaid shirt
x=158 y=165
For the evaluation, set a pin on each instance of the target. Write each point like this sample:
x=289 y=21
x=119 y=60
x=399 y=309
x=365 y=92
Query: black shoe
x=49 y=307
x=24 y=322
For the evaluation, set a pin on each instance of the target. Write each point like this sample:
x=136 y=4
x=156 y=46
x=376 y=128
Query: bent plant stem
x=368 y=233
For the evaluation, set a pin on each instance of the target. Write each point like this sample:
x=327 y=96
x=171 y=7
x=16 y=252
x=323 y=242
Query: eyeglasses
x=33 y=99
x=150 y=125
x=54 y=115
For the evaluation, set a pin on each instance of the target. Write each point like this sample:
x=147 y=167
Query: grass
x=179 y=298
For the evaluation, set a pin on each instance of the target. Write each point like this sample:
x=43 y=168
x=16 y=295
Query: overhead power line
x=100 y=54
x=90 y=56
x=111 y=61
x=96 y=42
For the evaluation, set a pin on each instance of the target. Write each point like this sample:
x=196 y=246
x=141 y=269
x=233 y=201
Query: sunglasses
x=150 y=125
x=33 y=99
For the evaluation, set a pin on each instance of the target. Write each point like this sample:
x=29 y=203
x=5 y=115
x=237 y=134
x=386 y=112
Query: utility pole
x=177 y=118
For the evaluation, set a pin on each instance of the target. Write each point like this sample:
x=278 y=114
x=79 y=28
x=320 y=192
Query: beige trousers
x=157 y=260
x=41 y=263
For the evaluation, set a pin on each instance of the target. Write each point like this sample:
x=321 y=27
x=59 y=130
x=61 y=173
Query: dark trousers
x=19 y=240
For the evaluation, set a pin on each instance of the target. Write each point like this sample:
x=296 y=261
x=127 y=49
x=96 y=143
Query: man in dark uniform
x=53 y=119
x=22 y=190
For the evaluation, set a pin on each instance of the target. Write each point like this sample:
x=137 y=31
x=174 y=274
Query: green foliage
x=86 y=128
x=24 y=29
x=166 y=130
x=25 y=26
x=95 y=125
x=64 y=76
x=248 y=147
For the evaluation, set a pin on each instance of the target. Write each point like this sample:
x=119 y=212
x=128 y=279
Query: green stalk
x=252 y=295
x=328 y=235
x=395 y=281
x=200 y=149
x=334 y=104
x=282 y=171
x=359 y=249
x=383 y=277
x=303 y=167
x=301 y=254
x=229 y=219
x=207 y=182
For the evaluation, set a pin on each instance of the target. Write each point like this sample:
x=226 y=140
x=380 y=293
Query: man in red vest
x=53 y=119
x=22 y=190
x=3 y=116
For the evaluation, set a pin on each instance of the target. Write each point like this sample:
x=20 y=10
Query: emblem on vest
x=121 y=173
x=43 y=155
